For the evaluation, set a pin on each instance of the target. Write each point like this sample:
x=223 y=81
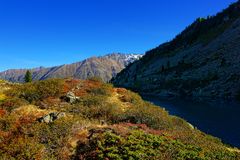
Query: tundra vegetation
x=88 y=119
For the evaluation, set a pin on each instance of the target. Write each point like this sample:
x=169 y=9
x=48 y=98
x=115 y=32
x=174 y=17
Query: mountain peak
x=105 y=67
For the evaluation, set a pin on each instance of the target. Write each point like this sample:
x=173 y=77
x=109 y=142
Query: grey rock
x=45 y=119
x=49 y=118
x=71 y=98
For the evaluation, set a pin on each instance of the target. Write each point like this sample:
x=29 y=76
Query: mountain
x=202 y=61
x=105 y=67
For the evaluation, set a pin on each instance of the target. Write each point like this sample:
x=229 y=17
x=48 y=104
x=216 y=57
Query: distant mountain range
x=202 y=61
x=105 y=67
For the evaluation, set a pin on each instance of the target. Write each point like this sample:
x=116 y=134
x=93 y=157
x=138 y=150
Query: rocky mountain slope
x=202 y=61
x=105 y=67
x=72 y=119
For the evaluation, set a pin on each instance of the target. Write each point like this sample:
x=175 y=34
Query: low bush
x=39 y=90
x=22 y=148
x=102 y=89
x=145 y=113
x=53 y=136
x=108 y=112
x=140 y=145
x=12 y=103
x=128 y=96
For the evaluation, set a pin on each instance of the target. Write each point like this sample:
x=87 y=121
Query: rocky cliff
x=202 y=61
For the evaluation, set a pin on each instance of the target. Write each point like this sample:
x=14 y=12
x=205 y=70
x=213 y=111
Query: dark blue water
x=218 y=118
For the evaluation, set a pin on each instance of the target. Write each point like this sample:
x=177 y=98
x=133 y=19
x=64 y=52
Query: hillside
x=105 y=67
x=202 y=61
x=88 y=119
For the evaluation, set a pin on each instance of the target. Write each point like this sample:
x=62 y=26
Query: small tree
x=28 y=76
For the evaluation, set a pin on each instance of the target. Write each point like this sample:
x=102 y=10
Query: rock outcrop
x=51 y=117
x=70 y=97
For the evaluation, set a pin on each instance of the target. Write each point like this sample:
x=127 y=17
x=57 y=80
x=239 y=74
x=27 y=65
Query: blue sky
x=51 y=32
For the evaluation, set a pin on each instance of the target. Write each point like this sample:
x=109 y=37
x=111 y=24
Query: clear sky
x=51 y=32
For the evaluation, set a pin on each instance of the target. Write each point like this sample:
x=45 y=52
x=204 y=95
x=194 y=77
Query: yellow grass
x=114 y=98
x=2 y=97
x=30 y=110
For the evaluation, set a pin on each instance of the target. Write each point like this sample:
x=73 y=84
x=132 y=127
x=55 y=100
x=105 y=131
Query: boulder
x=51 y=117
x=70 y=97
x=45 y=119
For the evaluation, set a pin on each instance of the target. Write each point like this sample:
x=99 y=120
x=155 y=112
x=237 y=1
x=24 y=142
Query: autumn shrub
x=98 y=108
x=103 y=89
x=99 y=91
x=11 y=103
x=107 y=112
x=2 y=112
x=145 y=113
x=38 y=90
x=15 y=144
x=7 y=123
x=22 y=148
x=70 y=84
x=153 y=116
x=105 y=123
x=128 y=96
x=92 y=100
x=140 y=145
x=34 y=140
x=49 y=88
x=54 y=135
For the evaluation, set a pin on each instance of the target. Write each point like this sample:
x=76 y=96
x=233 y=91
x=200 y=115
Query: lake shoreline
x=191 y=98
x=216 y=117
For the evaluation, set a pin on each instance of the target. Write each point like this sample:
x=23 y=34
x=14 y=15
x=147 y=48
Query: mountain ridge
x=104 y=67
x=202 y=61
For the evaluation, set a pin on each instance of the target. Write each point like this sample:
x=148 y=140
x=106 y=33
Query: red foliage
x=81 y=92
x=52 y=101
x=81 y=87
x=70 y=84
x=143 y=127
x=26 y=120
x=2 y=112
x=87 y=86
x=140 y=126
x=8 y=104
x=121 y=90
